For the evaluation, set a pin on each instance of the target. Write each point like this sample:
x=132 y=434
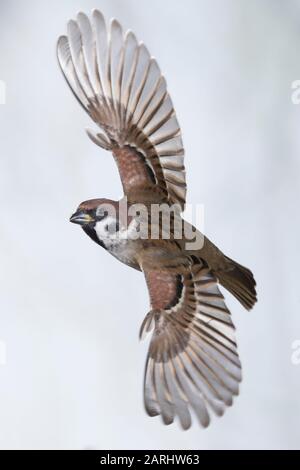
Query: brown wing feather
x=121 y=87
x=192 y=362
x=137 y=177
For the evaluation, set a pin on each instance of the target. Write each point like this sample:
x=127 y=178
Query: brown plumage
x=192 y=361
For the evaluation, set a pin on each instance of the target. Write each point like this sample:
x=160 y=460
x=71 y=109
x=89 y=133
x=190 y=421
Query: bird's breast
x=124 y=250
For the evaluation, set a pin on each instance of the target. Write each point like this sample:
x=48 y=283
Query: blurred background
x=71 y=367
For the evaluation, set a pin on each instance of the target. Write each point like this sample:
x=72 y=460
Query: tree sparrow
x=193 y=361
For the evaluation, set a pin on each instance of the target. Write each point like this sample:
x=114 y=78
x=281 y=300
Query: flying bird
x=192 y=363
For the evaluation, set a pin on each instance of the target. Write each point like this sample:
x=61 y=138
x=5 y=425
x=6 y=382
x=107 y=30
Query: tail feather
x=239 y=281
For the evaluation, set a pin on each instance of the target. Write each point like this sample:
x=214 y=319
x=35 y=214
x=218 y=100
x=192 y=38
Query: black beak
x=81 y=218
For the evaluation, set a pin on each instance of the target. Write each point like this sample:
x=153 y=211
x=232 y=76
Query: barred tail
x=239 y=281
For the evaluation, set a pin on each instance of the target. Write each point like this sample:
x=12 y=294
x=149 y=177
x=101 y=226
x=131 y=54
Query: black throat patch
x=91 y=232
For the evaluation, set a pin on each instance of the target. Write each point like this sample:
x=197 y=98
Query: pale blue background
x=70 y=313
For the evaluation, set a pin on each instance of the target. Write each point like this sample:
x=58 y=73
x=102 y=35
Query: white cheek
x=101 y=229
x=124 y=234
x=129 y=232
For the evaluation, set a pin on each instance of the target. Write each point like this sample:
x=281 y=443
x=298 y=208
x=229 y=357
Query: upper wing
x=121 y=87
x=192 y=360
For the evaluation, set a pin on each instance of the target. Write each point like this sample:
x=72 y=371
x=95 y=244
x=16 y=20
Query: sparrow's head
x=98 y=218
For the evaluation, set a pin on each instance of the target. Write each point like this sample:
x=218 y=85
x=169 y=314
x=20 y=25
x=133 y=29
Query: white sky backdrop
x=69 y=312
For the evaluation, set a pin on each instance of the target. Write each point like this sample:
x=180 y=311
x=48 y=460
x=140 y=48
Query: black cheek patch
x=91 y=232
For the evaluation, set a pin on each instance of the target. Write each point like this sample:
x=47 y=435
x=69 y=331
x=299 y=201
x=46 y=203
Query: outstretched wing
x=192 y=361
x=121 y=87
